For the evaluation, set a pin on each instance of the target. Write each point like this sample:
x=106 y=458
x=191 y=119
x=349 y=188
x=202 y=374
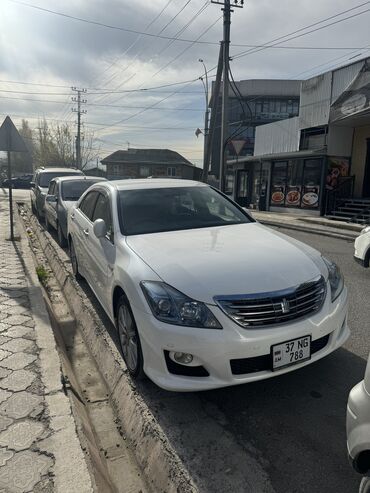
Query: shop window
x=171 y=171
x=314 y=138
x=229 y=182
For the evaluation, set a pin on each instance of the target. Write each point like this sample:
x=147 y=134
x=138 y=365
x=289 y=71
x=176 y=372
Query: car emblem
x=285 y=307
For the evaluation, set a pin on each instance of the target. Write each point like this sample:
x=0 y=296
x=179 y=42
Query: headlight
x=170 y=306
x=365 y=230
x=335 y=278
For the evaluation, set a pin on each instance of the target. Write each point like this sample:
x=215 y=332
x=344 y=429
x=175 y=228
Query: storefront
x=281 y=182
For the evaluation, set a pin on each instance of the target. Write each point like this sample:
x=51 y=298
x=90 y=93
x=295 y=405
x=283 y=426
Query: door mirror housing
x=52 y=199
x=100 y=228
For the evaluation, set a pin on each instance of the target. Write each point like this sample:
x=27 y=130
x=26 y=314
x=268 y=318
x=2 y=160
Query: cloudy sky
x=43 y=54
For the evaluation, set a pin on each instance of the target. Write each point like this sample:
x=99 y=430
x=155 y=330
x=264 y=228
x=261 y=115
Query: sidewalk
x=310 y=224
x=39 y=447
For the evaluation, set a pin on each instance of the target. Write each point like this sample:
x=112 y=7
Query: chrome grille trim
x=269 y=309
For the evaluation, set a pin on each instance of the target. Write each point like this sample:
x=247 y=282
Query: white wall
x=282 y=136
x=343 y=77
x=315 y=101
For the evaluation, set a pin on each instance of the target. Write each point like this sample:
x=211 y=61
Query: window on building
x=116 y=169
x=144 y=171
x=314 y=138
x=171 y=171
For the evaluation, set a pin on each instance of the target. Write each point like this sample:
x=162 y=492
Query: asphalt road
x=283 y=435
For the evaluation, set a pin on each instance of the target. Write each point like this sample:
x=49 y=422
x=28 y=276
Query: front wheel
x=61 y=238
x=129 y=339
x=365 y=486
x=72 y=254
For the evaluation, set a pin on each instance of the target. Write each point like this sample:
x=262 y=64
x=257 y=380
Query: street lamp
x=206 y=120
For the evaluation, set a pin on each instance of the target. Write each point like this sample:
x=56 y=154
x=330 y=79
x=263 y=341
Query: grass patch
x=42 y=274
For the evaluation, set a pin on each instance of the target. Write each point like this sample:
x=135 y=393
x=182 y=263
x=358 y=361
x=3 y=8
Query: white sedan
x=362 y=247
x=202 y=295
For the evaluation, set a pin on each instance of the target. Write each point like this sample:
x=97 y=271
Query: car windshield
x=45 y=178
x=72 y=190
x=177 y=208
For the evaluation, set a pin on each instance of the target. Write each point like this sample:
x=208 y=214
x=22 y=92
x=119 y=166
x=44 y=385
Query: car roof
x=148 y=183
x=78 y=178
x=56 y=170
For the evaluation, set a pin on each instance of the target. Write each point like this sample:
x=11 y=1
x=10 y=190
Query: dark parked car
x=23 y=182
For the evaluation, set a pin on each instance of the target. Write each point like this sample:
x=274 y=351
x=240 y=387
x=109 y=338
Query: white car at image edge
x=362 y=247
x=358 y=428
x=201 y=294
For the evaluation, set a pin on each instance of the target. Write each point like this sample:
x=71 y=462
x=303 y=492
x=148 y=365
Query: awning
x=280 y=156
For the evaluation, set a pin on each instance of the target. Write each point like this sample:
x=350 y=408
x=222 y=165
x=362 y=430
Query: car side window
x=103 y=211
x=51 y=190
x=87 y=205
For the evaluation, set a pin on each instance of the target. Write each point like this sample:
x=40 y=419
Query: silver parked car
x=62 y=194
x=40 y=184
x=358 y=429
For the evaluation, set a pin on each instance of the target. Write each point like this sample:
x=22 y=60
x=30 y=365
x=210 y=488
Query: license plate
x=291 y=352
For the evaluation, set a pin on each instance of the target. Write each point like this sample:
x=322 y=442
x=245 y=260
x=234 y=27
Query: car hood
x=227 y=260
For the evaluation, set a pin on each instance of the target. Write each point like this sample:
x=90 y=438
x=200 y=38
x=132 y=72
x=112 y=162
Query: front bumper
x=359 y=261
x=214 y=349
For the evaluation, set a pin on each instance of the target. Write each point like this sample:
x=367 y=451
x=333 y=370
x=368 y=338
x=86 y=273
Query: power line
x=271 y=44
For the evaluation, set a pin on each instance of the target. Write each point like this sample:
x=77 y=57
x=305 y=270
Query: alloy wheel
x=128 y=338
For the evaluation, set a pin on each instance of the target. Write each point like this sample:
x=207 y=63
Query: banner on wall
x=337 y=168
x=355 y=100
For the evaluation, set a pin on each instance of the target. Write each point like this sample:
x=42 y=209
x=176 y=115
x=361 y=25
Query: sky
x=52 y=53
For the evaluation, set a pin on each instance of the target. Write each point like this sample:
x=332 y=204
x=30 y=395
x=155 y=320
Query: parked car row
x=202 y=295
x=22 y=182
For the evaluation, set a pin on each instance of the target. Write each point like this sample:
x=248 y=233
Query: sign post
x=10 y=140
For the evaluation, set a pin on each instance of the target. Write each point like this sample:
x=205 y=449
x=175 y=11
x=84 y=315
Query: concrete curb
x=159 y=461
x=309 y=229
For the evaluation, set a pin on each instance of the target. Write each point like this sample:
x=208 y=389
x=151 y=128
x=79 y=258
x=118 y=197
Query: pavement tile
x=15 y=310
x=23 y=471
x=17 y=331
x=21 y=435
x=21 y=404
x=4 y=354
x=5 y=455
x=4 y=372
x=13 y=293
x=3 y=326
x=17 y=380
x=22 y=301
x=5 y=422
x=17 y=320
x=3 y=315
x=4 y=395
x=4 y=339
x=17 y=361
x=17 y=345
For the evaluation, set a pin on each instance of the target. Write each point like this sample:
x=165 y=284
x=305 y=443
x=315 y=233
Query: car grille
x=264 y=363
x=274 y=308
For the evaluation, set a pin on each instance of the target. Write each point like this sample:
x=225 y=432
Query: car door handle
x=72 y=217
x=86 y=232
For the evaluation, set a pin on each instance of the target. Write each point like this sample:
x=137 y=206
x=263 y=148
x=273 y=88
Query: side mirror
x=32 y=184
x=100 y=228
x=51 y=198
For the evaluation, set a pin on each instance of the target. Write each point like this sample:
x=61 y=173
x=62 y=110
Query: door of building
x=366 y=185
x=243 y=196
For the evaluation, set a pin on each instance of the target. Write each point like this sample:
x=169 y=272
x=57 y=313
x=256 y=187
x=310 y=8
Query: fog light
x=184 y=358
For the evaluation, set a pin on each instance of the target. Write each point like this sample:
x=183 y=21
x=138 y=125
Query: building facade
x=302 y=163
x=144 y=163
x=253 y=103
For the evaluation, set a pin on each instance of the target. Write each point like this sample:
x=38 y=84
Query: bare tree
x=89 y=153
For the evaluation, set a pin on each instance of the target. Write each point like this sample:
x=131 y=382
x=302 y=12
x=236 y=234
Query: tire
x=129 y=339
x=365 y=486
x=61 y=238
x=72 y=254
x=47 y=225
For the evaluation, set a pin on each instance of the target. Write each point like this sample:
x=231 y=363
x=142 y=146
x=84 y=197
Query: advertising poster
x=310 y=197
x=278 y=195
x=293 y=196
x=337 y=168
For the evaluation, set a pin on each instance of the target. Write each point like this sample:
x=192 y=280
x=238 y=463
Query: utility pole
x=206 y=123
x=77 y=99
x=225 y=87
